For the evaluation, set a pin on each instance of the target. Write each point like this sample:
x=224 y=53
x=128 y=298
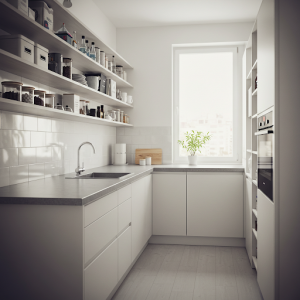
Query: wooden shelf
x=255 y=233
x=254 y=261
x=15 y=22
x=14 y=64
x=255 y=212
x=254 y=93
x=255 y=182
x=25 y=108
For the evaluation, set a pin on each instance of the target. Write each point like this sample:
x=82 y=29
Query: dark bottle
x=256 y=82
x=98 y=112
x=102 y=112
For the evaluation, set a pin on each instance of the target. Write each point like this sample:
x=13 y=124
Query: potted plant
x=194 y=141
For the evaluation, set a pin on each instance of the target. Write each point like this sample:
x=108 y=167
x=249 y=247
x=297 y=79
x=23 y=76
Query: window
x=205 y=99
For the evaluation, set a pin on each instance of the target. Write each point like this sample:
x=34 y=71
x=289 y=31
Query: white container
x=31 y=13
x=44 y=14
x=124 y=96
x=120 y=159
x=102 y=58
x=148 y=160
x=72 y=101
x=93 y=82
x=142 y=162
x=125 y=75
x=21 y=5
x=111 y=88
x=129 y=99
x=120 y=154
x=19 y=45
x=193 y=160
x=97 y=55
x=41 y=56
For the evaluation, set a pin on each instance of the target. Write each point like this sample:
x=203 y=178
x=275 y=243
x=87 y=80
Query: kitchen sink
x=101 y=175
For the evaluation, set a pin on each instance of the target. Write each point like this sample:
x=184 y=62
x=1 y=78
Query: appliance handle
x=262 y=132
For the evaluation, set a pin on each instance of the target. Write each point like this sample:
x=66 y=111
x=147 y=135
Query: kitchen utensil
x=155 y=154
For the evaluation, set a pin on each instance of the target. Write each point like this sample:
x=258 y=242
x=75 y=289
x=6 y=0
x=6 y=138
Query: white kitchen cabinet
x=124 y=252
x=141 y=214
x=102 y=275
x=169 y=204
x=124 y=215
x=266 y=246
x=248 y=216
x=215 y=204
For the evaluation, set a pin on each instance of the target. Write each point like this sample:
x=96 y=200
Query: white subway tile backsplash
x=8 y=157
x=24 y=138
x=140 y=139
x=4 y=177
x=58 y=126
x=44 y=124
x=124 y=139
x=30 y=123
x=27 y=156
x=36 y=171
x=9 y=138
x=132 y=131
x=57 y=153
x=18 y=174
x=120 y=131
x=43 y=154
x=50 y=169
x=38 y=139
x=11 y=121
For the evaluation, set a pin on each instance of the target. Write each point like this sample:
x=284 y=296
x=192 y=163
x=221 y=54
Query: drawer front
x=102 y=275
x=124 y=252
x=124 y=194
x=97 y=209
x=124 y=215
x=100 y=234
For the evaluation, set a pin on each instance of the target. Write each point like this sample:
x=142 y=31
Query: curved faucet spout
x=78 y=170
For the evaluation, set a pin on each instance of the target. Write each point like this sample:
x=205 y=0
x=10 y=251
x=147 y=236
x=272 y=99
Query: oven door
x=265 y=162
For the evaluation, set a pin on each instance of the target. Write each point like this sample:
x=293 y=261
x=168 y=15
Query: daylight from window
x=206 y=100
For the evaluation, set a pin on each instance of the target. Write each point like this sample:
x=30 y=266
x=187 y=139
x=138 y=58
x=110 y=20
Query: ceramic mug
x=129 y=99
x=93 y=82
x=124 y=96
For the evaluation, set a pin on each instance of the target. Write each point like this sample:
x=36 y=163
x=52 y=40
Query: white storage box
x=21 y=5
x=41 y=56
x=19 y=45
x=43 y=13
x=72 y=101
x=31 y=14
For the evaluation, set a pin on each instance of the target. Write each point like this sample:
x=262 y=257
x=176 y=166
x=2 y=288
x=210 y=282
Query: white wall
x=94 y=19
x=149 y=50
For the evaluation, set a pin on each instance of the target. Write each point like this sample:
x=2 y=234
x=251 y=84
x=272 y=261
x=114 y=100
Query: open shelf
x=254 y=152
x=254 y=116
x=254 y=66
x=255 y=182
x=14 y=64
x=249 y=151
x=254 y=261
x=249 y=75
x=15 y=22
x=36 y=110
x=255 y=212
x=255 y=233
x=254 y=93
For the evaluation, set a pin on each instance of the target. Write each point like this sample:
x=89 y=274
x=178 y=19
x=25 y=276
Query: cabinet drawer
x=124 y=194
x=124 y=252
x=102 y=275
x=98 y=235
x=99 y=208
x=124 y=215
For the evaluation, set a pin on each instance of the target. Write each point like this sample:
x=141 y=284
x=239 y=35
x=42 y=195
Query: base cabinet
x=169 y=204
x=215 y=204
x=248 y=216
x=124 y=252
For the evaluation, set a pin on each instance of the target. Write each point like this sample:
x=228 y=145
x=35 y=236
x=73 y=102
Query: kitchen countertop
x=60 y=191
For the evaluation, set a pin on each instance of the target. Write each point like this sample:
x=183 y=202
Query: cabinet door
x=248 y=217
x=266 y=246
x=141 y=213
x=102 y=275
x=215 y=204
x=169 y=204
x=124 y=252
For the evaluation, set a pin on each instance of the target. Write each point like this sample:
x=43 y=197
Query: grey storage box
x=41 y=56
x=21 y=5
x=19 y=45
x=31 y=14
x=43 y=13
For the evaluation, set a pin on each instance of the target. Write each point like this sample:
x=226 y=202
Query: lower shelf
x=255 y=261
x=31 y=109
x=255 y=212
x=255 y=232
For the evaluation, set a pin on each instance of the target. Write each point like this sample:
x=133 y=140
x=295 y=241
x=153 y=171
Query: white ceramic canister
x=148 y=160
x=143 y=162
x=124 y=96
x=97 y=55
x=102 y=58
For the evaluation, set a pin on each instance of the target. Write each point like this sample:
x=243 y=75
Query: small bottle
x=87 y=48
x=82 y=47
x=93 y=52
x=256 y=82
x=98 y=112
x=106 y=62
x=74 y=43
x=87 y=107
x=102 y=115
x=113 y=64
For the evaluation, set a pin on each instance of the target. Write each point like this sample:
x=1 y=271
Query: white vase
x=193 y=160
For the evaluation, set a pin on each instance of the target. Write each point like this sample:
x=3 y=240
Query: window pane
x=206 y=100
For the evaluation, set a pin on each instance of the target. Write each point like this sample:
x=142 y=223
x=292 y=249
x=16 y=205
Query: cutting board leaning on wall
x=156 y=155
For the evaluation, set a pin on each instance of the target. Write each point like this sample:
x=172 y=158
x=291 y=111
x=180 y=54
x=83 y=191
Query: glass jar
x=67 y=67
x=112 y=113
x=87 y=111
x=49 y=100
x=110 y=66
x=58 y=59
x=12 y=90
x=119 y=71
x=28 y=94
x=39 y=97
x=118 y=113
x=125 y=118
x=121 y=116
x=82 y=107
x=69 y=109
x=59 y=106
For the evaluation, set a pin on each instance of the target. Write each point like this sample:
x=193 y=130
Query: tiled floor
x=178 y=272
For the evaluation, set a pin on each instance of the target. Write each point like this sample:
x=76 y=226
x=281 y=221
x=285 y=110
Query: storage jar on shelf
x=12 y=90
x=28 y=94
x=67 y=67
x=39 y=97
x=49 y=100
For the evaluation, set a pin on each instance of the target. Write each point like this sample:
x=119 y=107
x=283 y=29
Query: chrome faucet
x=78 y=170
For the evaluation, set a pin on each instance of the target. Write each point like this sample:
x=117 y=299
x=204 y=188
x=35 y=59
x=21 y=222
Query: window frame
x=237 y=118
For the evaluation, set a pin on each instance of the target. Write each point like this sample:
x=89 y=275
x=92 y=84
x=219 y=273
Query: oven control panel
x=265 y=121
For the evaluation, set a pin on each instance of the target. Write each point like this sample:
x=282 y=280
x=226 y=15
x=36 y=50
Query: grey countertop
x=60 y=191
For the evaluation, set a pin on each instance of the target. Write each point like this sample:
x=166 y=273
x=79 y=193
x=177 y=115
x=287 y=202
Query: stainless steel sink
x=103 y=175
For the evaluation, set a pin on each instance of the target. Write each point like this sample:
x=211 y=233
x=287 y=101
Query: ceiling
x=140 y=13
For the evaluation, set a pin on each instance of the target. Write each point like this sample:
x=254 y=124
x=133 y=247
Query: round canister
x=120 y=159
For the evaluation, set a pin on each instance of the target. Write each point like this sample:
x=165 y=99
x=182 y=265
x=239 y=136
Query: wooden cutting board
x=156 y=155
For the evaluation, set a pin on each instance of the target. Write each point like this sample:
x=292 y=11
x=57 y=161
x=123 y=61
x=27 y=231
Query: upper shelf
x=14 y=64
x=15 y=22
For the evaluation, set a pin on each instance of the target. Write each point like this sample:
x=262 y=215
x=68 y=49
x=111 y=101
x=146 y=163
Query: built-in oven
x=265 y=149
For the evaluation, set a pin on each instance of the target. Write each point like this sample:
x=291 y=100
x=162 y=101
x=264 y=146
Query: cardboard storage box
x=72 y=101
x=43 y=13
x=21 y=5
x=19 y=45
x=41 y=56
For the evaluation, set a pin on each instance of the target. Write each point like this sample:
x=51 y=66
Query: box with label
x=72 y=101
x=102 y=85
x=19 y=45
x=111 y=88
x=31 y=14
x=41 y=56
x=43 y=13
x=21 y=5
